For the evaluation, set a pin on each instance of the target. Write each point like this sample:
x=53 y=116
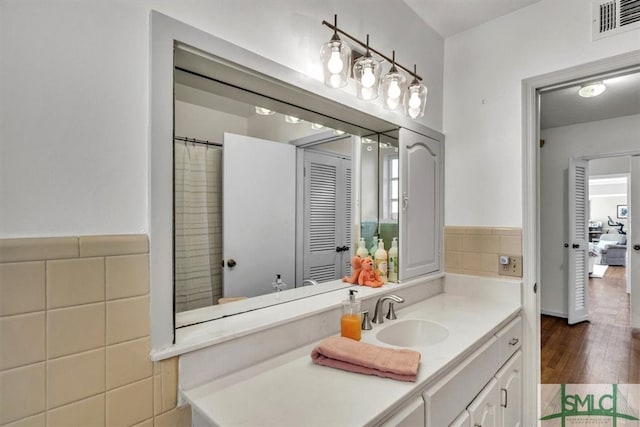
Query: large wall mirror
x=270 y=197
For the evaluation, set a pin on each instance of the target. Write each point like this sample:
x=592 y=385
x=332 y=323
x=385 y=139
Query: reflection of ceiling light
x=316 y=126
x=338 y=132
x=384 y=145
x=264 y=112
x=591 y=90
x=367 y=141
x=292 y=119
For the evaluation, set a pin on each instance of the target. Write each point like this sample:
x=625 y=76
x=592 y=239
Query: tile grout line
x=104 y=400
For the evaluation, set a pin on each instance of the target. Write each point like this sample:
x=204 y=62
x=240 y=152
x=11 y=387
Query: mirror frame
x=164 y=33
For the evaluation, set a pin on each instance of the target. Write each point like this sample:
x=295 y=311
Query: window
x=390 y=197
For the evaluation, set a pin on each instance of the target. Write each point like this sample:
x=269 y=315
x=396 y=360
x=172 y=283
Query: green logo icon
x=613 y=405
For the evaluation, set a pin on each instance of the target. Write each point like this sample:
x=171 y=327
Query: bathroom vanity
x=471 y=376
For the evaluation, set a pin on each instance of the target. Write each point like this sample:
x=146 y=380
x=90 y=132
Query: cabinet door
x=483 y=411
x=421 y=192
x=462 y=420
x=412 y=415
x=510 y=384
x=327 y=217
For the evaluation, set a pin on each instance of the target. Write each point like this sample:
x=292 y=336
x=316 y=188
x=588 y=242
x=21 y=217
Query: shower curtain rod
x=197 y=141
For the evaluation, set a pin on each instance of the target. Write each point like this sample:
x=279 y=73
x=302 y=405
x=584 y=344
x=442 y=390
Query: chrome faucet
x=306 y=282
x=377 y=315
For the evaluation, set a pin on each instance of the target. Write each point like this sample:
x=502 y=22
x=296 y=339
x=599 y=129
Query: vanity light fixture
x=415 y=98
x=264 y=111
x=393 y=85
x=592 y=89
x=366 y=72
x=292 y=119
x=336 y=60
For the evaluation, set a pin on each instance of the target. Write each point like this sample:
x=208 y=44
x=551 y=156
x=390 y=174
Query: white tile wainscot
x=267 y=378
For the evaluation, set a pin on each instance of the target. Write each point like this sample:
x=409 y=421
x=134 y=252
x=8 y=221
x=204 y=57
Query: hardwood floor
x=603 y=351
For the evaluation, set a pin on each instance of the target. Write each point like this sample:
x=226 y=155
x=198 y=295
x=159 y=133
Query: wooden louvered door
x=327 y=217
x=578 y=241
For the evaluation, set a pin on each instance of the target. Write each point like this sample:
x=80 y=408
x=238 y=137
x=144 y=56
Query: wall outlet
x=513 y=267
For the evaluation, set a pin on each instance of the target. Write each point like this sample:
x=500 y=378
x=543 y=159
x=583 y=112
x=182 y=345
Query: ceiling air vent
x=612 y=17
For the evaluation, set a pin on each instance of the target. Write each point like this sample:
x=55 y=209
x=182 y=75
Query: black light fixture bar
x=366 y=46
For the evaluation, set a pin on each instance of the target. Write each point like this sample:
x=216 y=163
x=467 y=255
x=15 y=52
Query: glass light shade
x=366 y=71
x=264 y=111
x=591 y=90
x=392 y=88
x=415 y=99
x=336 y=58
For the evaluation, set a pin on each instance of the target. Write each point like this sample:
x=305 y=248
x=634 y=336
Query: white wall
x=74 y=79
x=484 y=69
x=601 y=207
x=609 y=166
x=561 y=143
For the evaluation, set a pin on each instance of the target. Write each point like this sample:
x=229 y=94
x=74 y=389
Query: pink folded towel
x=354 y=356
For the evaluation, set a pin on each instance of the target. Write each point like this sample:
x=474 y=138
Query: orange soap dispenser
x=350 y=321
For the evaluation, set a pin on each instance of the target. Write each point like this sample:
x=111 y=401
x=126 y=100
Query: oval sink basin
x=413 y=332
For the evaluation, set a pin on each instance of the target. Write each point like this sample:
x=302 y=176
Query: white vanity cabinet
x=463 y=420
x=421 y=207
x=411 y=415
x=483 y=411
x=510 y=386
x=483 y=390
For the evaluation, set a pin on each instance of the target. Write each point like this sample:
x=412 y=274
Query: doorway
x=532 y=202
x=587 y=134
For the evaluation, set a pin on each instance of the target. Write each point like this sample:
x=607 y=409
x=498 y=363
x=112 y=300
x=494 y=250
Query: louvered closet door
x=578 y=241
x=327 y=217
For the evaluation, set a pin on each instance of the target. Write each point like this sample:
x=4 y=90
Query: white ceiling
x=565 y=107
x=560 y=107
x=449 y=17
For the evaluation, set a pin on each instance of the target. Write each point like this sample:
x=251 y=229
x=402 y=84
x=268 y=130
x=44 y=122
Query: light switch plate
x=514 y=268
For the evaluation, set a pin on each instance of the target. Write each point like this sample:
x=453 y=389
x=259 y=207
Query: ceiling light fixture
x=292 y=119
x=338 y=132
x=336 y=60
x=592 y=89
x=264 y=111
x=316 y=126
x=366 y=72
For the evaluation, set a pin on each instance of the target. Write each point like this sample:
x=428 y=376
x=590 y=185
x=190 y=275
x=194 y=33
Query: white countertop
x=291 y=390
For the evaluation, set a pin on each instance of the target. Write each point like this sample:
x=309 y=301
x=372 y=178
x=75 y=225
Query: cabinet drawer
x=451 y=395
x=509 y=340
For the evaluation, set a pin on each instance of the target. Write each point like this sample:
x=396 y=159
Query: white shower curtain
x=198 y=225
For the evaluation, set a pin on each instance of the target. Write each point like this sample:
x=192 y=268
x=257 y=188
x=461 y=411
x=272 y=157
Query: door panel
x=633 y=240
x=259 y=229
x=578 y=241
x=327 y=217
